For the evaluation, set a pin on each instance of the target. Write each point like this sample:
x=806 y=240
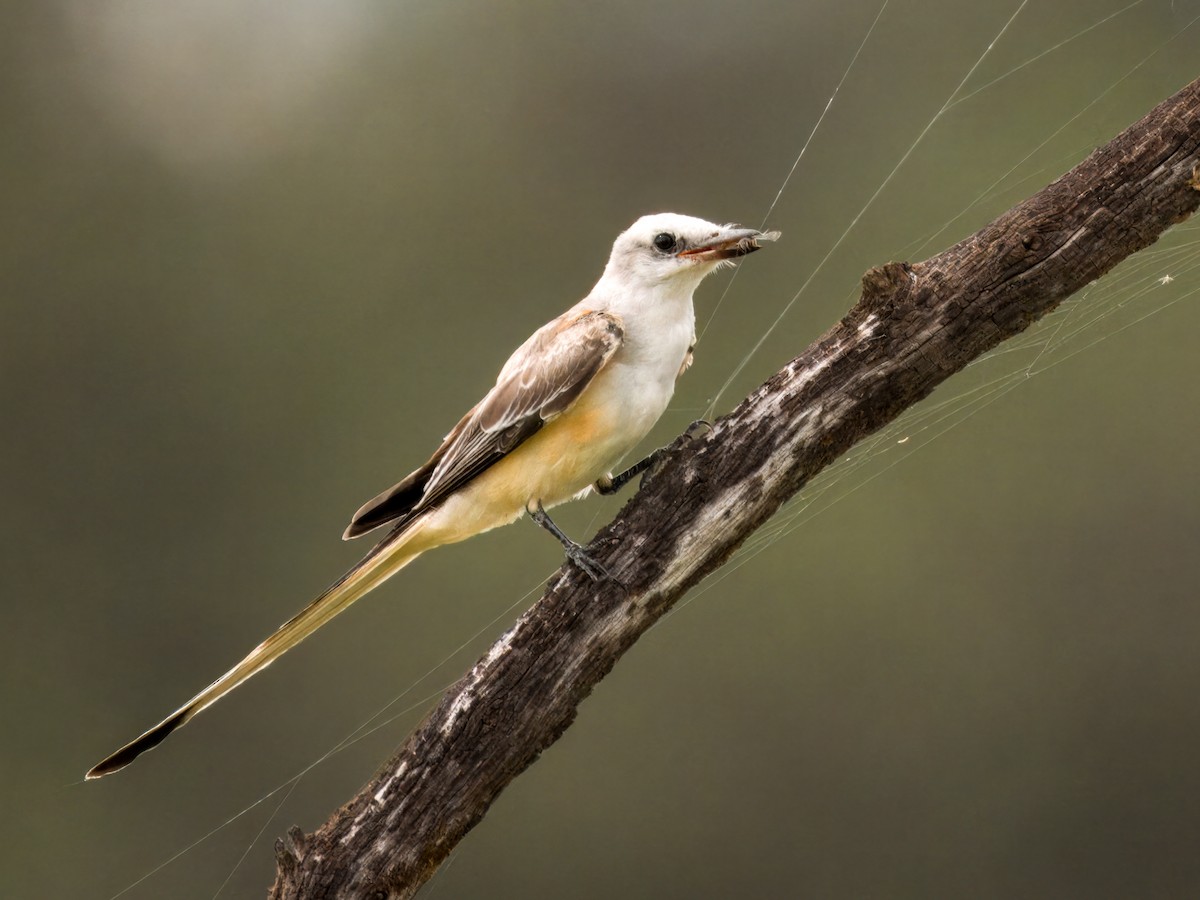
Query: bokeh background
x=257 y=258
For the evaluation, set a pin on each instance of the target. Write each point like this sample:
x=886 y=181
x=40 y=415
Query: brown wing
x=540 y=380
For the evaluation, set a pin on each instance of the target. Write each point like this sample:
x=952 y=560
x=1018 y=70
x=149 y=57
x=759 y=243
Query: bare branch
x=914 y=326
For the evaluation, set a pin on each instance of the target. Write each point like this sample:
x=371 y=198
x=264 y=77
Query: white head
x=670 y=249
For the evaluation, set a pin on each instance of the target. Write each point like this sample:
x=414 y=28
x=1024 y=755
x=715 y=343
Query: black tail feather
x=136 y=748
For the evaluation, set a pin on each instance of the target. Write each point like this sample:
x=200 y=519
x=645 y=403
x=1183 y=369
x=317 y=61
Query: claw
x=591 y=568
x=575 y=553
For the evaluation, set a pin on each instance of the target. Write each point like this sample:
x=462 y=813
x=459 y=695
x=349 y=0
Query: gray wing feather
x=541 y=380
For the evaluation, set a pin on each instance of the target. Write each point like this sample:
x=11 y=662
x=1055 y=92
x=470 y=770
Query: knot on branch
x=884 y=286
x=290 y=851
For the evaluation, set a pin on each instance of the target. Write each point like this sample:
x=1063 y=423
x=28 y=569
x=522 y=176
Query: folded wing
x=540 y=380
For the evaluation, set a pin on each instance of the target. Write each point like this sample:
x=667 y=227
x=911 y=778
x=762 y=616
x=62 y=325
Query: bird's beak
x=729 y=243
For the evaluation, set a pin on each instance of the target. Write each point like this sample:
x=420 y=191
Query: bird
x=567 y=407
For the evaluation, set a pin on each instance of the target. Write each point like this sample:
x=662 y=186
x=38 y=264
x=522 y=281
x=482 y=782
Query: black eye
x=665 y=241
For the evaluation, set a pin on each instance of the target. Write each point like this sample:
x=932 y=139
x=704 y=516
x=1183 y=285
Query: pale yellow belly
x=568 y=454
x=565 y=457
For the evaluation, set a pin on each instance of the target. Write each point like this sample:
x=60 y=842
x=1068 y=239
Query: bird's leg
x=574 y=552
x=610 y=484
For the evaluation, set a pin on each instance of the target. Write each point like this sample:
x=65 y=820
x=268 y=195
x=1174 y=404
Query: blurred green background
x=256 y=260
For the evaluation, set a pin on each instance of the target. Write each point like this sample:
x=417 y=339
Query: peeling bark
x=914 y=326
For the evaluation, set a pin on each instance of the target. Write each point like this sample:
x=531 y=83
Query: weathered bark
x=914 y=326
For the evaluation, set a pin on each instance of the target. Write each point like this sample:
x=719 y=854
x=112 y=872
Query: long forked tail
x=385 y=559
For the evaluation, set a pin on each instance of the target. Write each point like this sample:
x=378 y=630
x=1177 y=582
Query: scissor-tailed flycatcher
x=568 y=405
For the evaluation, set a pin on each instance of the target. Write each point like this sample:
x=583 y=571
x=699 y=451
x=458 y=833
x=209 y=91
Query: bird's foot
x=698 y=429
x=580 y=557
x=575 y=553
